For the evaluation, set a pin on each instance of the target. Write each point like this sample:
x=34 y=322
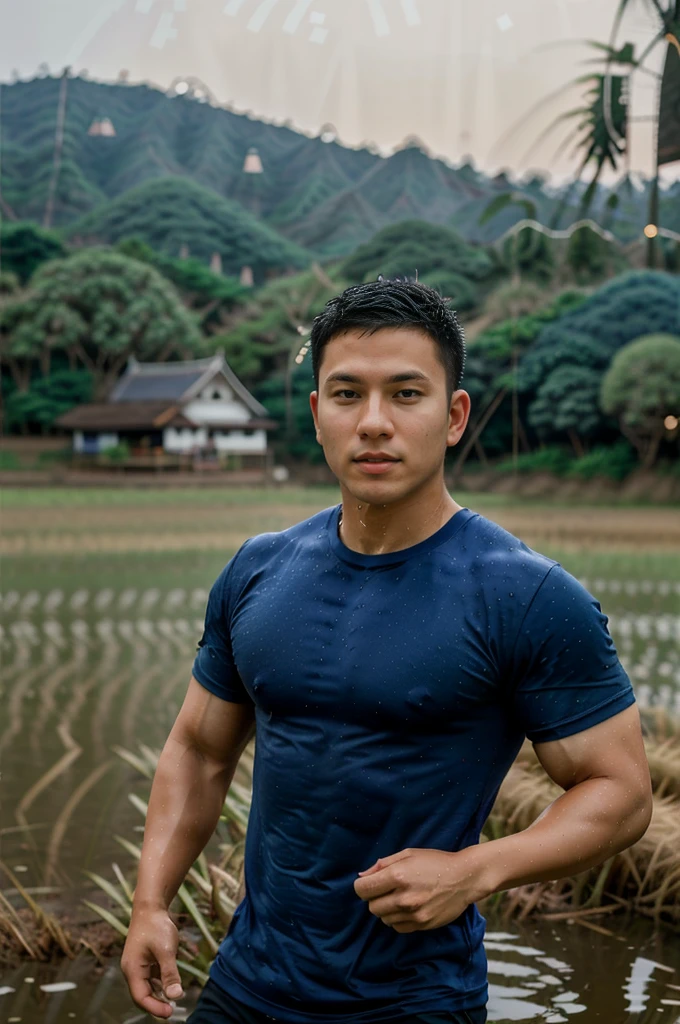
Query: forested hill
x=314 y=197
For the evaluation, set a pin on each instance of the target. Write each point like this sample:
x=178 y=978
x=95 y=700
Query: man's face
x=382 y=412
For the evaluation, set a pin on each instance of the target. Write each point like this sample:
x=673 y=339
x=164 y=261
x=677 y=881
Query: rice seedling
x=211 y=892
x=40 y=938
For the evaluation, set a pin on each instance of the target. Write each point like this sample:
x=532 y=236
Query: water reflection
x=527 y=982
x=518 y=1002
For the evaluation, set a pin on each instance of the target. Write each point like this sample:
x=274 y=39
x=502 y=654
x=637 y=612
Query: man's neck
x=379 y=529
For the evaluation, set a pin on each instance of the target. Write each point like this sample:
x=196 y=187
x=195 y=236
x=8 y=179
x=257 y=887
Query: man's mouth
x=378 y=463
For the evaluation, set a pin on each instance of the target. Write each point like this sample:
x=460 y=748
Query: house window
x=90 y=444
x=216 y=395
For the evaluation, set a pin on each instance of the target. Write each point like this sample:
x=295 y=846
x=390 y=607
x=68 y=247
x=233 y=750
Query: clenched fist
x=416 y=890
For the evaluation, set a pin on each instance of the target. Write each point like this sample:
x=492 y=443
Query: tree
x=46 y=399
x=525 y=248
x=175 y=211
x=602 y=122
x=567 y=402
x=642 y=387
x=528 y=252
x=25 y=247
x=296 y=437
x=509 y=304
x=209 y=295
x=488 y=376
x=588 y=255
x=9 y=283
x=98 y=308
x=439 y=257
x=666 y=136
x=589 y=336
x=263 y=337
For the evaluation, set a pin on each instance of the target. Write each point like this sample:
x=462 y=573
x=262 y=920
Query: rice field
x=101 y=605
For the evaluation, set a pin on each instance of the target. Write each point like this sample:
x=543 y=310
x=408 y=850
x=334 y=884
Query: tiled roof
x=123 y=416
x=149 y=386
x=179 y=382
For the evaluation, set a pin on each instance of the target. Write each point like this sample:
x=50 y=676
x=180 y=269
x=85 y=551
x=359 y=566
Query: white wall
x=210 y=410
x=214 y=412
x=183 y=440
x=234 y=441
x=237 y=441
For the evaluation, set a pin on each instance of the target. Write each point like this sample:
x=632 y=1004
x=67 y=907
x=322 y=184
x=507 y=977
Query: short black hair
x=393 y=303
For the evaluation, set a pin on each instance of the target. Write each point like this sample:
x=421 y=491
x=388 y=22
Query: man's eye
x=409 y=393
x=345 y=393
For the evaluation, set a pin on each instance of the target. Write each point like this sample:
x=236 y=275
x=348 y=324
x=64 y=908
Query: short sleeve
x=566 y=674
x=214 y=665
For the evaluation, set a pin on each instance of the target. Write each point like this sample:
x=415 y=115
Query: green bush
x=51 y=458
x=546 y=460
x=117 y=452
x=615 y=461
x=9 y=460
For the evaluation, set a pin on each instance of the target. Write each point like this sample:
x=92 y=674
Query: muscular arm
x=191 y=782
x=606 y=807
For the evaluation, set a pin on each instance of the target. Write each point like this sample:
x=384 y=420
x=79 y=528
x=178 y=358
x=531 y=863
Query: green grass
x=87 y=497
x=162 y=569
x=188 y=569
x=619 y=565
x=321 y=496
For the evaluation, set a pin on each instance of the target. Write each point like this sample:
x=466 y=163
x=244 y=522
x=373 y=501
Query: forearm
x=582 y=828
x=186 y=800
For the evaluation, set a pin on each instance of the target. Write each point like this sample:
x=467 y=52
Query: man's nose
x=374 y=418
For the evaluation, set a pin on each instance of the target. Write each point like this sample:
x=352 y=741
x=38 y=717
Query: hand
x=416 y=890
x=149 y=961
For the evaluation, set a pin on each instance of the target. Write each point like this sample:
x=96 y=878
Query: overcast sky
x=459 y=74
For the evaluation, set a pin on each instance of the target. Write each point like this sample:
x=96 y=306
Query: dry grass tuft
x=644 y=879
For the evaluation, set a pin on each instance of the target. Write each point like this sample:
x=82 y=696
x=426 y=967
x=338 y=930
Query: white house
x=179 y=407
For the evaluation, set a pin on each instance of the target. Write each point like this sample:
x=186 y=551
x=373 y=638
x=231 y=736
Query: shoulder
x=494 y=554
x=265 y=548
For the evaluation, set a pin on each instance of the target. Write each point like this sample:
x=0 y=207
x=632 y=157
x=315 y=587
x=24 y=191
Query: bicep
x=219 y=729
x=611 y=749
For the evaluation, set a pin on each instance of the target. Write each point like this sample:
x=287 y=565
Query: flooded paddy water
x=103 y=596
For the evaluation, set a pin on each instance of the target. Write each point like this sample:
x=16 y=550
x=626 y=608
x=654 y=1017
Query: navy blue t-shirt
x=392 y=693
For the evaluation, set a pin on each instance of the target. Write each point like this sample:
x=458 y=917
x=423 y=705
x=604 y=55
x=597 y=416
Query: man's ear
x=459 y=414
x=314 y=406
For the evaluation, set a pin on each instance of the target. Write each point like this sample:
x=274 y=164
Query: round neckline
x=363 y=561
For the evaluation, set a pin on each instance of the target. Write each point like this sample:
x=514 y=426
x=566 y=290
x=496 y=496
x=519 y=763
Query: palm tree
x=603 y=121
x=601 y=127
x=666 y=117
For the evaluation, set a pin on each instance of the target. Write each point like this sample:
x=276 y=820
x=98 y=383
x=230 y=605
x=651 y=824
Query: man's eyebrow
x=397 y=378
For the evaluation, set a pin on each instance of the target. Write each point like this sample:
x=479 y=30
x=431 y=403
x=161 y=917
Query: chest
x=391 y=649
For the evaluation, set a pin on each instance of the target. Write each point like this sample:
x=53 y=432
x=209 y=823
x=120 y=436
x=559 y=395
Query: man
x=391 y=653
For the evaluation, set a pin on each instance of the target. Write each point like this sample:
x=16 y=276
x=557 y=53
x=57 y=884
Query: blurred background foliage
x=155 y=243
